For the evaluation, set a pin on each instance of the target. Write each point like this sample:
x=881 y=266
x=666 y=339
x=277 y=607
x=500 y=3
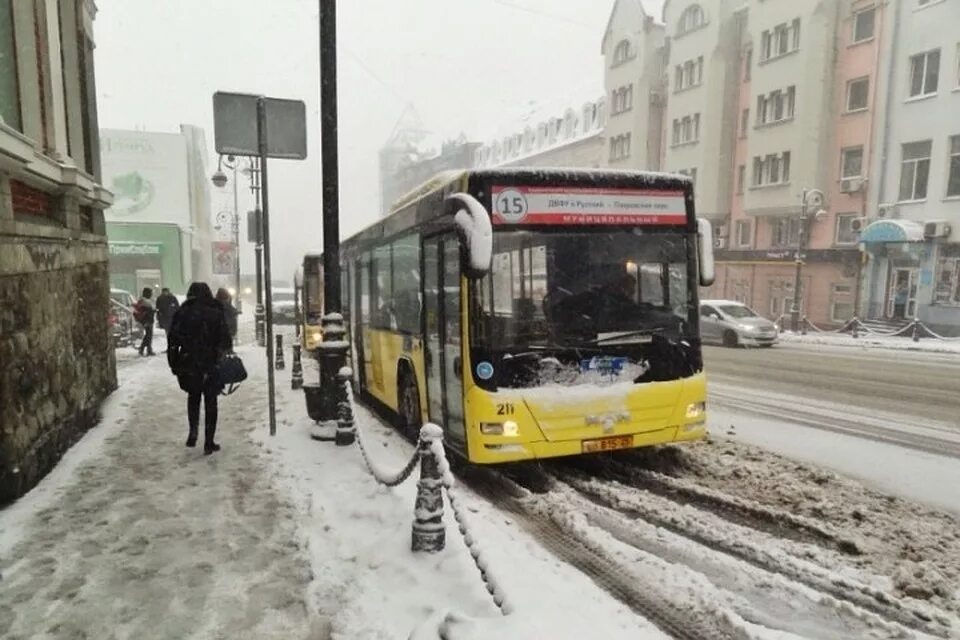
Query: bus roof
x=406 y=211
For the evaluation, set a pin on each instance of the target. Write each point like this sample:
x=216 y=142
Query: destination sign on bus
x=575 y=206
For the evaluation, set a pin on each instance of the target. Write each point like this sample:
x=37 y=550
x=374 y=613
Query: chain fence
x=915 y=329
x=436 y=478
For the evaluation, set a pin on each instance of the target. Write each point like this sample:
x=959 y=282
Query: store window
x=947 y=290
x=9 y=83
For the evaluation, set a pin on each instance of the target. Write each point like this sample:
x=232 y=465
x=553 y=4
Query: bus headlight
x=508 y=428
x=696 y=410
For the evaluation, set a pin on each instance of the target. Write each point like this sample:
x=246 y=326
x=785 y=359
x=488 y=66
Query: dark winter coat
x=149 y=311
x=167 y=305
x=230 y=313
x=198 y=337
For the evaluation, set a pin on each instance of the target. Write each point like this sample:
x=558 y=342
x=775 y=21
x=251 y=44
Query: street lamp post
x=253 y=172
x=808 y=197
x=220 y=179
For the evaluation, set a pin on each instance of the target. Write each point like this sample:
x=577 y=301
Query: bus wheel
x=409 y=407
x=730 y=339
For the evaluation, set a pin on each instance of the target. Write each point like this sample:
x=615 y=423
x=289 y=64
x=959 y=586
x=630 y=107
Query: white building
x=572 y=138
x=634 y=56
x=913 y=233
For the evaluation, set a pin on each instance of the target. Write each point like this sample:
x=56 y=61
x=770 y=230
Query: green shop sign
x=135 y=248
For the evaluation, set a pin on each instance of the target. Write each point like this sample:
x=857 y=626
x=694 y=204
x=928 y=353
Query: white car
x=733 y=324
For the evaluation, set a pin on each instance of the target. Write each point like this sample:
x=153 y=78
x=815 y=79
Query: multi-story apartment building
x=634 y=59
x=784 y=132
x=575 y=139
x=702 y=46
x=912 y=228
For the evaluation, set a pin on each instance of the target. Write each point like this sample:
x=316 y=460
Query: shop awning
x=892 y=231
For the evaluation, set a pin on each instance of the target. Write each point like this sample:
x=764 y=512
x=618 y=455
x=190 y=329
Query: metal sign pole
x=262 y=141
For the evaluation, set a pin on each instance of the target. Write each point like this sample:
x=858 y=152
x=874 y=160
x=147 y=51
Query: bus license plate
x=607 y=444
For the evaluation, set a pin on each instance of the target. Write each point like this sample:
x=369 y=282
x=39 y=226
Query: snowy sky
x=465 y=65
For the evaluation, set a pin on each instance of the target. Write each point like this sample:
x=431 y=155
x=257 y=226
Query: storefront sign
x=556 y=205
x=135 y=248
x=786 y=255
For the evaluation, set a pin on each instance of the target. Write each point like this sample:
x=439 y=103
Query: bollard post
x=346 y=433
x=856 y=327
x=296 y=378
x=803 y=326
x=278 y=360
x=429 y=534
x=916 y=333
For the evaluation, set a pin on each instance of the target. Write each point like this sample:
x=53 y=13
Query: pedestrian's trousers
x=209 y=393
x=147 y=344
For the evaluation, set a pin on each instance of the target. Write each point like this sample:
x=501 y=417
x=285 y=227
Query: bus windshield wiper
x=626 y=336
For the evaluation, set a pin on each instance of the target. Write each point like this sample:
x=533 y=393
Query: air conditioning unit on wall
x=888 y=210
x=859 y=224
x=851 y=185
x=720 y=242
x=936 y=229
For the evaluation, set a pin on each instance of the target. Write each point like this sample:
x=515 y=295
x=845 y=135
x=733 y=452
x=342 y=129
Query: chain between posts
x=479 y=558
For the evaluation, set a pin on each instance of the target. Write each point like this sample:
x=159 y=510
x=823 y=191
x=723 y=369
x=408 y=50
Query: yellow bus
x=534 y=313
x=311 y=301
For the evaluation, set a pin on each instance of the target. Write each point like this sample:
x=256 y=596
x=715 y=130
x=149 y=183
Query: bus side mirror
x=476 y=233
x=705 y=252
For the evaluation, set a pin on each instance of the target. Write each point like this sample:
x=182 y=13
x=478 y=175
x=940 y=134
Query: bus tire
x=409 y=415
x=730 y=339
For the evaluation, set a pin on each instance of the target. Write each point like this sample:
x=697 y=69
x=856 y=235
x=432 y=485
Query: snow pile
x=867 y=341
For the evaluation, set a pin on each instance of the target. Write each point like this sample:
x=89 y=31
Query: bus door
x=443 y=357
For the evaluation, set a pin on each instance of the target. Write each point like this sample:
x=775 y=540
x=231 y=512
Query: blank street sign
x=235 y=126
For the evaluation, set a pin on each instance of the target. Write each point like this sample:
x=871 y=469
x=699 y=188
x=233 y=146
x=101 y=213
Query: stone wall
x=56 y=361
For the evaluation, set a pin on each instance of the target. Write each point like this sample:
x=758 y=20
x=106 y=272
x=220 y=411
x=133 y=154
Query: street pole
x=236 y=240
x=334 y=348
x=258 y=251
x=265 y=231
x=798 y=262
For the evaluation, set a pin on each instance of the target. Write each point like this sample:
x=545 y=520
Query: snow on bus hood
x=566 y=412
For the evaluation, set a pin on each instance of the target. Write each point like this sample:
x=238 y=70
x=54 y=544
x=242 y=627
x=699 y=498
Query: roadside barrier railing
x=428 y=531
x=915 y=329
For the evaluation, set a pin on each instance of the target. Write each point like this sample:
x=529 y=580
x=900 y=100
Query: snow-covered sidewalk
x=872 y=341
x=134 y=535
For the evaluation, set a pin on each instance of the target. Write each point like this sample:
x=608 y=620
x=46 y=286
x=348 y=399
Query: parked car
x=284 y=311
x=124 y=330
x=733 y=324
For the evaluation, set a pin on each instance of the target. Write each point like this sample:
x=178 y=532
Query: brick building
x=56 y=363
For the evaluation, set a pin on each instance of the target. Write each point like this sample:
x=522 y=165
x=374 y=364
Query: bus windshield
x=573 y=297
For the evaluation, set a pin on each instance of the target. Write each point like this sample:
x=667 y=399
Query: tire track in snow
x=745 y=545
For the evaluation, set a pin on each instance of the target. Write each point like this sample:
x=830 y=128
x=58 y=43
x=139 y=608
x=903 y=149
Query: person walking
x=144 y=313
x=198 y=338
x=229 y=311
x=167 y=305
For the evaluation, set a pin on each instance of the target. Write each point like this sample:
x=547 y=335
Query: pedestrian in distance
x=229 y=311
x=900 y=302
x=144 y=313
x=198 y=339
x=167 y=305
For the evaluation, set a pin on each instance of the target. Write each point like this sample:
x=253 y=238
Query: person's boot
x=209 y=447
x=192 y=437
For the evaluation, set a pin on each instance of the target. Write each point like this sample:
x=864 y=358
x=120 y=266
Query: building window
x=915 y=170
x=863 y=23
x=771 y=169
x=686 y=130
x=621 y=100
x=851 y=162
x=779 y=41
x=691 y=18
x=678 y=78
x=741 y=176
x=689 y=74
x=9 y=83
x=924 y=73
x=776 y=106
x=747 y=63
x=947 y=289
x=744 y=122
x=620 y=147
x=700 y=70
x=857 y=91
x=743 y=233
x=785 y=232
x=845 y=233
x=953 y=177
x=622 y=52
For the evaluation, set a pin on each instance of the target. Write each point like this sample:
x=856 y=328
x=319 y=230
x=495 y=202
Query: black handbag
x=230 y=373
